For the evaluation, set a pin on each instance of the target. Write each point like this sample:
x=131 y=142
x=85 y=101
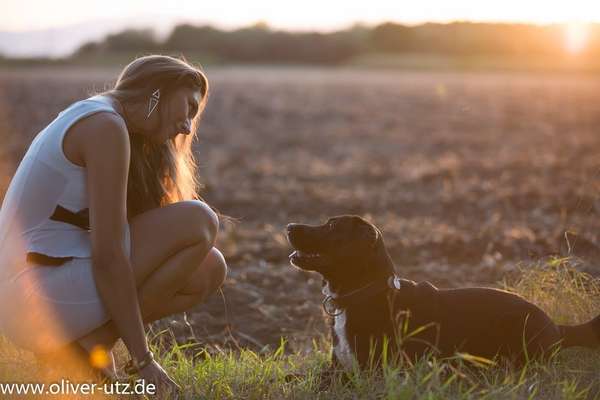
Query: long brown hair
x=160 y=174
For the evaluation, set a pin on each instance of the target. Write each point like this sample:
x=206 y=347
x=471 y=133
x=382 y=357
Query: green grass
x=567 y=295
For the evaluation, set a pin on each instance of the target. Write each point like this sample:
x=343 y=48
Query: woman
x=102 y=228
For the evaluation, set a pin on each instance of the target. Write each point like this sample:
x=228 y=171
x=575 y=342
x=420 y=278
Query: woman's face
x=176 y=113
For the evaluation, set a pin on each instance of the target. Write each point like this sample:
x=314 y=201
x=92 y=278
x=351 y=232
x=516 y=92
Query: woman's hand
x=154 y=373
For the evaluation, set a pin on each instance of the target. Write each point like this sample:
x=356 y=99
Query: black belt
x=61 y=214
x=80 y=219
x=43 y=259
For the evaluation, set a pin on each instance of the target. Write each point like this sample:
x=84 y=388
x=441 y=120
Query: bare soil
x=468 y=175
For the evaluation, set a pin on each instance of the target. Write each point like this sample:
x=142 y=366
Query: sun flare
x=576 y=37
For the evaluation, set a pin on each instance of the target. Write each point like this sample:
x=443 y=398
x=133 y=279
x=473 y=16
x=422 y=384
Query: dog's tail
x=586 y=335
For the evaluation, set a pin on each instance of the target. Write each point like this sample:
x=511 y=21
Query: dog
x=372 y=308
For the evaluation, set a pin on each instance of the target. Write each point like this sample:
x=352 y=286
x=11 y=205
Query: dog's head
x=347 y=250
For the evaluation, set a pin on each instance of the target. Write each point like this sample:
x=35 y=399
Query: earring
x=153 y=102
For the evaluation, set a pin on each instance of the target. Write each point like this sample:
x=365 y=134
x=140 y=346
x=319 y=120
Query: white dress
x=43 y=221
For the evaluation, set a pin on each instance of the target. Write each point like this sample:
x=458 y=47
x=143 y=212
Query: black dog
x=368 y=302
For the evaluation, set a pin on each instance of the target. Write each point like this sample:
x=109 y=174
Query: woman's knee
x=218 y=268
x=209 y=275
x=203 y=221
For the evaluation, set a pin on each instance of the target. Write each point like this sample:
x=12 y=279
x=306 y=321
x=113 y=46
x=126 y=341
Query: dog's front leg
x=335 y=366
x=327 y=374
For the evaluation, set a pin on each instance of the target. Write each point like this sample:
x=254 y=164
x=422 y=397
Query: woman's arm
x=106 y=152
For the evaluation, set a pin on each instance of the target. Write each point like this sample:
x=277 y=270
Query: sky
x=23 y=15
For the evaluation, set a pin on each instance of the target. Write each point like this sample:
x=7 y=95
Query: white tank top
x=45 y=179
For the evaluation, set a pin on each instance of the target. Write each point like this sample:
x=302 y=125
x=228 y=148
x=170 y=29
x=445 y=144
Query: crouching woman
x=102 y=228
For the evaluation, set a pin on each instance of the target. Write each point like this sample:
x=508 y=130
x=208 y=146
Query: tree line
x=260 y=43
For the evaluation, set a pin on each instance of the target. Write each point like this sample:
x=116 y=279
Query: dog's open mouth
x=304 y=260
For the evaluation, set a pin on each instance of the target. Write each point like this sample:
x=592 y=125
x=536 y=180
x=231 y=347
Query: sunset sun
x=576 y=37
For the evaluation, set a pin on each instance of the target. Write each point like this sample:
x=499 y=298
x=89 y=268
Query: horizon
x=48 y=33
x=62 y=41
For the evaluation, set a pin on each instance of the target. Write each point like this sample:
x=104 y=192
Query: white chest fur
x=342 y=348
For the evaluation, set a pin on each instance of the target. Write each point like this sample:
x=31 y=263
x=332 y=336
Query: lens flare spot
x=99 y=357
x=441 y=91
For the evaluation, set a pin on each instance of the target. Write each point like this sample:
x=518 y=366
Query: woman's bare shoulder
x=100 y=124
x=100 y=132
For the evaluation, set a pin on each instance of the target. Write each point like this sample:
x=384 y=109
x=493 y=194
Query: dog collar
x=335 y=305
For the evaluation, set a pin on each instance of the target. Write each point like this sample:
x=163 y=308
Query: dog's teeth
x=301 y=254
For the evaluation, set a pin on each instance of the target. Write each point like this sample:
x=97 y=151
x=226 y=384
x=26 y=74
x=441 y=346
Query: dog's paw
x=326 y=378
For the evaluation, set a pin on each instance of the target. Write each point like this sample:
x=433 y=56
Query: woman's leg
x=207 y=278
x=203 y=282
x=175 y=264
